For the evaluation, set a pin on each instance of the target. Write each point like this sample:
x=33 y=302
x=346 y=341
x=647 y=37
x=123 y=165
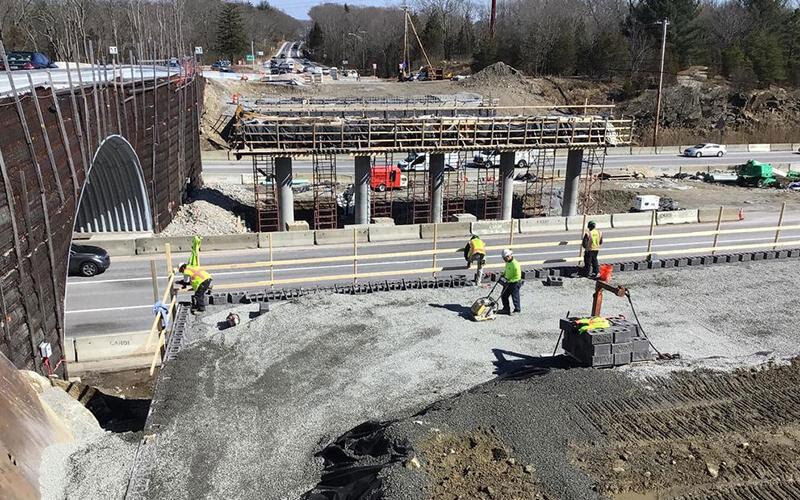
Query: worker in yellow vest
x=512 y=274
x=592 y=241
x=475 y=251
x=200 y=281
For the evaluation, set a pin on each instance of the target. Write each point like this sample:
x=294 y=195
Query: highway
x=345 y=165
x=120 y=300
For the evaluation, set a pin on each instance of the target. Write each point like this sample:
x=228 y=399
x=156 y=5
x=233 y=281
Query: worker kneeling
x=475 y=251
x=513 y=282
x=200 y=281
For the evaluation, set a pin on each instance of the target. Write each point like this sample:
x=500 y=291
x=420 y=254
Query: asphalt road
x=120 y=300
x=345 y=164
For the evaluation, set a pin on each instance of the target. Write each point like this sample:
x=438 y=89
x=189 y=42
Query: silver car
x=708 y=149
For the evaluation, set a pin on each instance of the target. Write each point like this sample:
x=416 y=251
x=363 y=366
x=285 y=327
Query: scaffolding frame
x=488 y=193
x=592 y=170
x=265 y=193
x=382 y=203
x=419 y=196
x=324 y=186
x=455 y=188
x=539 y=179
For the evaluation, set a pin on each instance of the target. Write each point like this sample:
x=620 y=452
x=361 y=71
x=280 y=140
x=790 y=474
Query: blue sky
x=299 y=8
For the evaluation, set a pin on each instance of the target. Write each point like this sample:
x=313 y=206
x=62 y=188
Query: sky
x=299 y=8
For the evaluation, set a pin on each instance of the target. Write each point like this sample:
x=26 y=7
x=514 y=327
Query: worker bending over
x=592 y=241
x=513 y=282
x=475 y=251
x=200 y=281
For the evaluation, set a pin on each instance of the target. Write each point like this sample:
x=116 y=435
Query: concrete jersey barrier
x=156 y=245
x=340 y=236
x=447 y=230
x=393 y=233
x=729 y=214
x=575 y=222
x=676 y=217
x=633 y=219
x=542 y=224
x=492 y=227
x=282 y=239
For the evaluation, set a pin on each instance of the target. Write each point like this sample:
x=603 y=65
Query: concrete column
x=283 y=183
x=437 y=186
x=507 y=174
x=572 y=182
x=362 y=178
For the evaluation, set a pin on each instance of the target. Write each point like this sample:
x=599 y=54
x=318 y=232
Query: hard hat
x=591 y=224
x=474 y=236
x=182 y=267
x=507 y=253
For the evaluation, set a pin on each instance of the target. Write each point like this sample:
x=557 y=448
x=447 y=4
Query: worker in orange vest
x=592 y=241
x=200 y=281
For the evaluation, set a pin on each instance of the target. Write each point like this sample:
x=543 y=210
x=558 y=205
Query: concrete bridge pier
x=437 y=186
x=363 y=167
x=507 y=175
x=572 y=182
x=283 y=181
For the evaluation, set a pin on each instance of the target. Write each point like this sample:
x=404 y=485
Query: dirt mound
x=498 y=74
x=203 y=218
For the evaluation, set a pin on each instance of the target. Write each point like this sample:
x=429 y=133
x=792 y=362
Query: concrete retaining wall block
x=603 y=361
x=542 y=224
x=622 y=348
x=622 y=359
x=676 y=217
x=642 y=356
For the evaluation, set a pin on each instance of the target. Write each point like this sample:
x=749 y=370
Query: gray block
x=668 y=263
x=600 y=349
x=695 y=261
x=600 y=336
x=622 y=348
x=782 y=254
x=769 y=255
x=642 y=356
x=640 y=344
x=758 y=255
x=655 y=264
x=681 y=262
x=555 y=272
x=622 y=334
x=707 y=260
x=795 y=252
x=622 y=359
x=603 y=361
x=638 y=266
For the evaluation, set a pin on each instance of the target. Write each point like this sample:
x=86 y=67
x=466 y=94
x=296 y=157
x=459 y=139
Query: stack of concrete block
x=620 y=344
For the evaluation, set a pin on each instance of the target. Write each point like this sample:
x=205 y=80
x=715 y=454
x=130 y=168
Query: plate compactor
x=485 y=308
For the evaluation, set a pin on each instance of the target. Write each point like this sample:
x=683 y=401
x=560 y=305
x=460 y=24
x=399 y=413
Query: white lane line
x=105 y=309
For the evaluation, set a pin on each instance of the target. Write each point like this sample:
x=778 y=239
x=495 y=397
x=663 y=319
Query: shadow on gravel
x=463 y=311
x=222 y=200
x=522 y=366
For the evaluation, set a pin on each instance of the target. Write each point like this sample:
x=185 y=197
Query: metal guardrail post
x=780 y=224
x=652 y=232
x=716 y=232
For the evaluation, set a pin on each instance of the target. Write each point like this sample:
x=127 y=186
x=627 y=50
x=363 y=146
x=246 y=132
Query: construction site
x=340 y=354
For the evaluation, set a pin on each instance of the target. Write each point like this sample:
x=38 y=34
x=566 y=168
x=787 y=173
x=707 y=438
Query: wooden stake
x=652 y=232
x=271 y=265
x=435 y=240
x=780 y=223
x=168 y=256
x=154 y=276
x=716 y=233
x=355 y=255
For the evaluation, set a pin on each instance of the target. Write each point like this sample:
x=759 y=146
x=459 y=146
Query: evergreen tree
x=485 y=55
x=562 y=57
x=231 y=38
x=316 y=39
x=682 y=34
x=431 y=35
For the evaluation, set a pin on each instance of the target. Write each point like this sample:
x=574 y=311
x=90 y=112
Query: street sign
x=198 y=51
x=344 y=61
x=250 y=57
x=112 y=50
x=260 y=52
x=374 y=66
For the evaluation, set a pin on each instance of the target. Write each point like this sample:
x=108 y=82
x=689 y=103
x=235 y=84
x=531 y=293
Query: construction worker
x=513 y=282
x=475 y=251
x=200 y=281
x=592 y=241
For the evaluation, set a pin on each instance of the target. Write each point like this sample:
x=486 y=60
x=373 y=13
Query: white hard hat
x=507 y=253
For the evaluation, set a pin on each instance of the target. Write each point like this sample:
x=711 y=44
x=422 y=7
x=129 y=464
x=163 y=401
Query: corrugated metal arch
x=114 y=197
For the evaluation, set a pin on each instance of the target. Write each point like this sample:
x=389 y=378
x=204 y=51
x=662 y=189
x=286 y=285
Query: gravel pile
x=203 y=218
x=498 y=73
x=96 y=465
x=258 y=400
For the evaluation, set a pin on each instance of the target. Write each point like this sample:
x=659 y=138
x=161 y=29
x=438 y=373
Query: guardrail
x=160 y=325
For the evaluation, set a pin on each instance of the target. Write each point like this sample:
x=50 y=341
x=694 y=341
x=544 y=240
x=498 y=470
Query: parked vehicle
x=706 y=149
x=222 y=66
x=87 y=261
x=27 y=61
x=418 y=162
x=645 y=202
x=387 y=177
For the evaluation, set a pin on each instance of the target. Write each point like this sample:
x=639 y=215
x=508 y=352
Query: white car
x=708 y=149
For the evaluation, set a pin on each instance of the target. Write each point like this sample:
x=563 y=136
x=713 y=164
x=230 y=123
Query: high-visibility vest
x=594 y=240
x=196 y=276
x=477 y=246
x=512 y=273
x=592 y=323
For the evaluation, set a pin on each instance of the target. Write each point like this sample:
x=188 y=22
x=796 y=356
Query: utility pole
x=664 y=23
x=492 y=18
x=253 y=53
x=405 y=41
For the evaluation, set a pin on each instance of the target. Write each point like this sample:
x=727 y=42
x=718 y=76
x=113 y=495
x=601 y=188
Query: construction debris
x=201 y=217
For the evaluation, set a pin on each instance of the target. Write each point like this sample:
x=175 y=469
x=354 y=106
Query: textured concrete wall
x=45 y=164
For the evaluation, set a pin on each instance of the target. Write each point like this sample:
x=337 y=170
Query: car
x=18 y=60
x=87 y=260
x=705 y=149
x=418 y=162
x=222 y=66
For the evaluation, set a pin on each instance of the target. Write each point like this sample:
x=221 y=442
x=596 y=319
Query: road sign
x=198 y=51
x=344 y=61
x=113 y=50
x=374 y=66
x=250 y=57
x=260 y=53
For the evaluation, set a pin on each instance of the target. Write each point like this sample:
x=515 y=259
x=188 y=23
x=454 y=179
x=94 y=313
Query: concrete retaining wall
x=543 y=224
x=393 y=233
x=738 y=148
x=631 y=219
x=107 y=346
x=754 y=148
x=729 y=214
x=340 y=236
x=284 y=239
x=493 y=227
x=575 y=222
x=230 y=242
x=115 y=247
x=676 y=217
x=156 y=245
x=447 y=230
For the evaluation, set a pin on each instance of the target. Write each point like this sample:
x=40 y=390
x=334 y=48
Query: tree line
x=751 y=42
x=150 y=29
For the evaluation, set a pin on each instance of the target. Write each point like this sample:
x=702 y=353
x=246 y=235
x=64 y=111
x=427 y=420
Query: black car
x=88 y=261
x=28 y=60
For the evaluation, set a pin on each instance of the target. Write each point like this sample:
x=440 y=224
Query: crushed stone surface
x=260 y=399
x=96 y=465
x=203 y=218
